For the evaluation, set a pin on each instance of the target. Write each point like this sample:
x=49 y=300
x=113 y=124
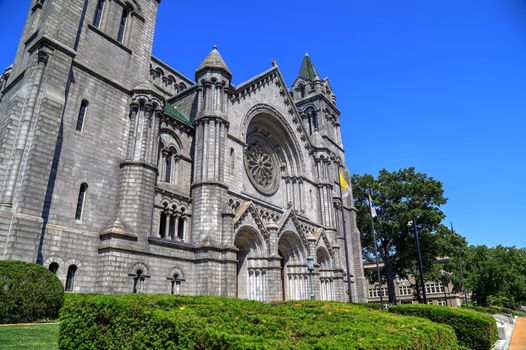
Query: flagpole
x=345 y=245
x=463 y=287
x=376 y=255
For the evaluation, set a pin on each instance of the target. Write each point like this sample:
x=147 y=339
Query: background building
x=122 y=175
x=436 y=292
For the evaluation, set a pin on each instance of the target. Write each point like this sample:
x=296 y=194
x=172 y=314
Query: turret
x=316 y=102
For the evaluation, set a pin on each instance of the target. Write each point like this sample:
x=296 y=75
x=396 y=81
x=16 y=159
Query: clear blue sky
x=438 y=84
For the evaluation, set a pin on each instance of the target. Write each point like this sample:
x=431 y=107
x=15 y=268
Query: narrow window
x=53 y=267
x=232 y=161
x=70 y=279
x=81 y=200
x=180 y=229
x=98 y=13
x=168 y=168
x=138 y=280
x=122 y=25
x=172 y=227
x=302 y=91
x=162 y=225
x=82 y=114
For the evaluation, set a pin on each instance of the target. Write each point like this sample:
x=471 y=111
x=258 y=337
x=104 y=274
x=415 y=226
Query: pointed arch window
x=81 y=201
x=70 y=279
x=99 y=10
x=82 y=115
x=122 y=25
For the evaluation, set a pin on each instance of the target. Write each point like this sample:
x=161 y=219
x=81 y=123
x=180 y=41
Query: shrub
x=177 y=322
x=28 y=292
x=492 y=309
x=474 y=330
x=374 y=306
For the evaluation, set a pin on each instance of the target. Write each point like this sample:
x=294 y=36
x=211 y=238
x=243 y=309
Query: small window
x=81 y=200
x=70 y=279
x=138 y=281
x=98 y=13
x=168 y=168
x=162 y=225
x=180 y=228
x=82 y=115
x=171 y=227
x=122 y=25
x=53 y=267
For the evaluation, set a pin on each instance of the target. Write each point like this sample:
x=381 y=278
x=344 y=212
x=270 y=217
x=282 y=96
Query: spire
x=214 y=61
x=307 y=71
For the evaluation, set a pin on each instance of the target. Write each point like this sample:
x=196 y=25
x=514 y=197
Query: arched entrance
x=294 y=273
x=251 y=278
x=325 y=274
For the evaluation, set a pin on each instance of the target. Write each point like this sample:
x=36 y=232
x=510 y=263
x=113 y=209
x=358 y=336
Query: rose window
x=261 y=168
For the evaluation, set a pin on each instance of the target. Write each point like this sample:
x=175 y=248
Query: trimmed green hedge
x=474 y=330
x=492 y=309
x=177 y=322
x=28 y=292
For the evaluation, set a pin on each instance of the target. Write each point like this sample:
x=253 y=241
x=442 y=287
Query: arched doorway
x=325 y=274
x=251 y=278
x=294 y=272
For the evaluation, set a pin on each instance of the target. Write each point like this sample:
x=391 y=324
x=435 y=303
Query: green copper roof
x=173 y=112
x=307 y=71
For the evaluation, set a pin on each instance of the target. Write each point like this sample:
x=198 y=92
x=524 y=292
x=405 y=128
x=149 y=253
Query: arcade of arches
x=259 y=278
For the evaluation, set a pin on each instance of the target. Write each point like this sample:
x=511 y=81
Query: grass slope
x=29 y=337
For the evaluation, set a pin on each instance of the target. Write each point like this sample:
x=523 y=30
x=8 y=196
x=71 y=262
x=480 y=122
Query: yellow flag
x=343 y=183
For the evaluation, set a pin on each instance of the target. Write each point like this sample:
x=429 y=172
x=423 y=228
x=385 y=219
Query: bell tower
x=317 y=103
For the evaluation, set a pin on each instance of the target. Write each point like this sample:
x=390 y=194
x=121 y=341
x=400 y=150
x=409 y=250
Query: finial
x=215 y=47
x=306 y=53
x=274 y=63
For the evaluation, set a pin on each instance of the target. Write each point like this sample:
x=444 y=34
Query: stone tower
x=61 y=108
x=209 y=192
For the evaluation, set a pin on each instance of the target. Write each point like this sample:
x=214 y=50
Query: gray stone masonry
x=136 y=179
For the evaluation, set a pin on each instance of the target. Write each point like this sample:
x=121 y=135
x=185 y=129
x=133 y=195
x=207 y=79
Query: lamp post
x=310 y=267
x=398 y=280
x=373 y=230
x=419 y=258
x=445 y=282
x=463 y=287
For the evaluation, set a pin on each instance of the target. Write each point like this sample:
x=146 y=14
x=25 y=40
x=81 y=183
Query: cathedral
x=121 y=175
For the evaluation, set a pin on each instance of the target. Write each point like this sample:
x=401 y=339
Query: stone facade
x=122 y=175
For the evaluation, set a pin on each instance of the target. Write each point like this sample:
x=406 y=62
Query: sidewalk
x=518 y=339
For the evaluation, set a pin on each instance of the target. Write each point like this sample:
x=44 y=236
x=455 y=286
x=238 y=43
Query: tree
x=496 y=275
x=399 y=197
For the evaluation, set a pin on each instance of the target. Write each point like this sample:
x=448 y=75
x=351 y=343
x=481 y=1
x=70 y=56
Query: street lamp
x=410 y=224
x=398 y=280
x=310 y=267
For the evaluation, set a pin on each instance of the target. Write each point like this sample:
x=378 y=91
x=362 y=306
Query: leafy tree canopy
x=400 y=196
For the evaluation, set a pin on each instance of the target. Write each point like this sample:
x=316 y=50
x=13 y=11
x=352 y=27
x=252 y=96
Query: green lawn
x=37 y=336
